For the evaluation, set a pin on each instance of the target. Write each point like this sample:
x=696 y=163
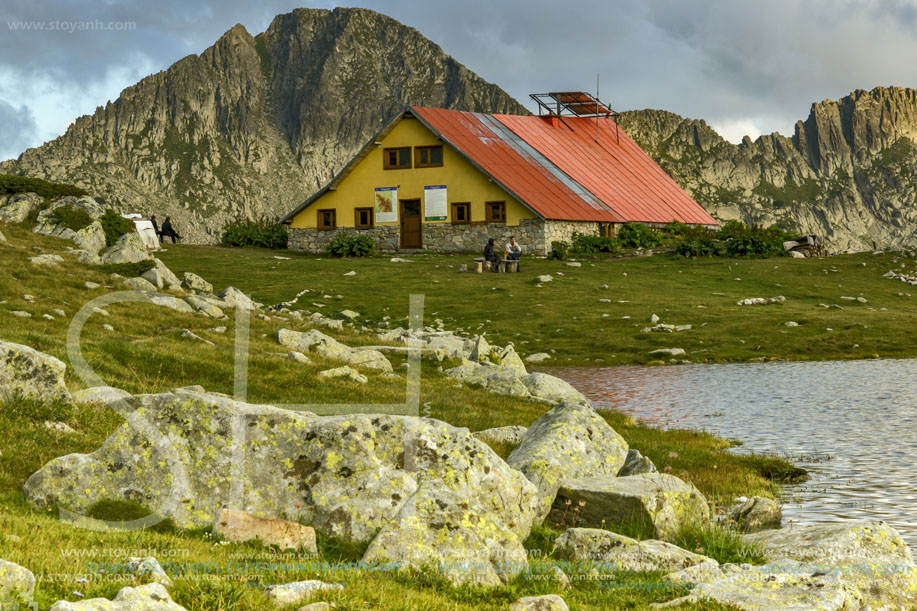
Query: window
x=363 y=218
x=396 y=159
x=461 y=213
x=428 y=156
x=326 y=219
x=608 y=230
x=496 y=212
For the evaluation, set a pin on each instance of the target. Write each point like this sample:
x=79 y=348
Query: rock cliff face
x=253 y=125
x=847 y=173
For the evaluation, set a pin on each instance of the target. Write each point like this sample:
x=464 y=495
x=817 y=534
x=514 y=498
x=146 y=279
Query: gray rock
x=138 y=284
x=668 y=352
x=15 y=582
x=187 y=334
x=173 y=303
x=326 y=323
x=538 y=357
x=344 y=372
x=654 y=319
x=90 y=238
x=299 y=357
x=236 y=298
x=153 y=277
x=59 y=312
x=149 y=569
x=238 y=526
x=31 y=374
x=328 y=347
x=59 y=427
x=756 y=514
x=21 y=314
x=636 y=464
x=791 y=323
x=107 y=327
x=550 y=388
x=502 y=434
x=99 y=394
x=193 y=282
x=3 y=238
x=477 y=349
x=204 y=307
x=546 y=602
x=298 y=591
x=509 y=359
x=149 y=597
x=574 y=264
x=46 y=260
x=570 y=441
x=399 y=260
x=500 y=380
x=17 y=207
x=761 y=300
x=128 y=249
x=655 y=503
x=348 y=314
x=620 y=553
x=351 y=273
x=91 y=285
x=319 y=606
x=168 y=278
x=544 y=278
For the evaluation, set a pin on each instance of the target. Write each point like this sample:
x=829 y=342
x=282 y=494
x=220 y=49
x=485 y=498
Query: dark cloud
x=17 y=130
x=741 y=65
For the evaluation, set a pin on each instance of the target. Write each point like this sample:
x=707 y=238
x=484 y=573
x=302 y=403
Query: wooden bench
x=503 y=265
x=509 y=266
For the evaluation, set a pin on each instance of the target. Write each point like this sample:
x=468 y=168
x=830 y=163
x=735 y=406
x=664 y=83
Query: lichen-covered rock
x=612 y=552
x=204 y=307
x=502 y=434
x=345 y=372
x=509 y=359
x=153 y=277
x=149 y=569
x=168 y=278
x=150 y=597
x=46 y=260
x=476 y=349
x=570 y=441
x=328 y=347
x=128 y=249
x=90 y=238
x=657 y=503
x=236 y=298
x=636 y=463
x=31 y=374
x=550 y=388
x=139 y=284
x=500 y=380
x=298 y=591
x=756 y=514
x=237 y=526
x=17 y=207
x=348 y=476
x=538 y=357
x=547 y=602
x=193 y=282
x=16 y=582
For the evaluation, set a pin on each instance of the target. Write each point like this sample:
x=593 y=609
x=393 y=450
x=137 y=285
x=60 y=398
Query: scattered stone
x=570 y=441
x=328 y=347
x=234 y=298
x=756 y=514
x=574 y=264
x=636 y=463
x=204 y=307
x=537 y=358
x=153 y=277
x=660 y=503
x=15 y=581
x=319 y=606
x=550 y=388
x=139 y=284
x=348 y=314
x=544 y=278
x=502 y=434
x=603 y=286
x=791 y=323
x=2 y=238
x=668 y=351
x=193 y=282
x=17 y=207
x=218 y=329
x=351 y=273
x=238 y=526
x=173 y=303
x=128 y=249
x=149 y=597
x=101 y=311
x=46 y=260
x=187 y=334
x=623 y=553
x=107 y=327
x=797 y=255
x=91 y=285
x=298 y=591
x=500 y=380
x=99 y=394
x=59 y=427
x=166 y=275
x=761 y=300
x=299 y=357
x=149 y=568
x=59 y=312
x=344 y=372
x=654 y=319
x=546 y=602
x=21 y=314
x=399 y=260
x=47 y=317
x=31 y=374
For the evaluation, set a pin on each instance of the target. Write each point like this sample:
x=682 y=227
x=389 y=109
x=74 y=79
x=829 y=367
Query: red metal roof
x=560 y=171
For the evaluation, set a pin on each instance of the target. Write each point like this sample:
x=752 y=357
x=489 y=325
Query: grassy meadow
x=145 y=353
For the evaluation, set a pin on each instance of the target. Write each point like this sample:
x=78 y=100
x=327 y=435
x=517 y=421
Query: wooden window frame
x=334 y=219
x=387 y=166
x=419 y=164
x=488 y=212
x=356 y=218
x=454 y=217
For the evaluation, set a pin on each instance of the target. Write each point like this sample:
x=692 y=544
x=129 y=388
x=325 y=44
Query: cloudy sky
x=745 y=66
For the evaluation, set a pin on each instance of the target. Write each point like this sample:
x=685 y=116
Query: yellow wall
x=464 y=182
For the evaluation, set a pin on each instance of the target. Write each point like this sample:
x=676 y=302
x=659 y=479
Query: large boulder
x=128 y=249
x=16 y=582
x=165 y=274
x=476 y=349
x=150 y=597
x=99 y=394
x=204 y=307
x=17 y=207
x=502 y=434
x=315 y=341
x=139 y=284
x=235 y=298
x=31 y=374
x=570 y=441
x=351 y=476
x=509 y=359
x=636 y=463
x=90 y=238
x=552 y=389
x=500 y=380
x=546 y=602
x=658 y=504
x=756 y=514
x=609 y=552
x=193 y=282
x=173 y=303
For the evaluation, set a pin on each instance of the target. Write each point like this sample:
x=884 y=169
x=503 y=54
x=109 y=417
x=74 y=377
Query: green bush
x=263 y=233
x=114 y=225
x=128 y=270
x=71 y=218
x=637 y=235
x=699 y=242
x=591 y=244
x=351 y=246
x=676 y=228
x=755 y=242
x=560 y=250
x=10 y=184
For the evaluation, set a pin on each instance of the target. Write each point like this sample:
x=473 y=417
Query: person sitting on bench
x=513 y=251
x=168 y=231
x=490 y=255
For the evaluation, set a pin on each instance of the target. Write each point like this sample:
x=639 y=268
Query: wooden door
x=411 y=227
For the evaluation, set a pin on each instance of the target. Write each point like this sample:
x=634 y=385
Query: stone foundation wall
x=562 y=231
x=313 y=240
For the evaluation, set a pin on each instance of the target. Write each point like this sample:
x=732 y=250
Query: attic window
x=326 y=219
x=396 y=159
x=428 y=156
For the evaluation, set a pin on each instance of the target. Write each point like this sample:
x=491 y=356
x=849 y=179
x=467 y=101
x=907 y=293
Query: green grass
x=566 y=316
x=146 y=354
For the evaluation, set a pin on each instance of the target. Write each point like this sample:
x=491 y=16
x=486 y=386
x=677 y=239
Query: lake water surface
x=863 y=414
